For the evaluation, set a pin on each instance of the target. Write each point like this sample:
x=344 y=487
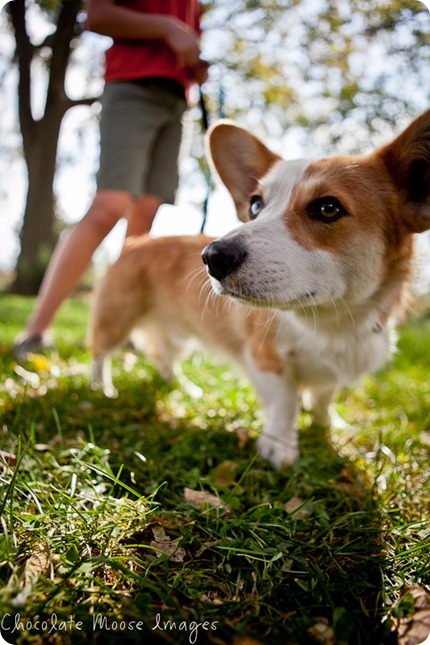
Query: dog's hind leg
x=109 y=330
x=102 y=376
x=167 y=353
x=317 y=401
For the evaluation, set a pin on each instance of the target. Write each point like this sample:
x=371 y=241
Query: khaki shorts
x=140 y=137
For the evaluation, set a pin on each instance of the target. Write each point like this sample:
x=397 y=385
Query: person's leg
x=128 y=144
x=141 y=215
x=73 y=255
x=163 y=173
x=161 y=114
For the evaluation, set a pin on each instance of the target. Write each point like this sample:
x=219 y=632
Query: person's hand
x=199 y=72
x=184 y=42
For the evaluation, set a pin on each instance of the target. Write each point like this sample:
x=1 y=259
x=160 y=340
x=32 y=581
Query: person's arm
x=110 y=19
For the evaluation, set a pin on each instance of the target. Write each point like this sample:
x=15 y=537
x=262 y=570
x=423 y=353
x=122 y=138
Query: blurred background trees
x=332 y=75
x=332 y=68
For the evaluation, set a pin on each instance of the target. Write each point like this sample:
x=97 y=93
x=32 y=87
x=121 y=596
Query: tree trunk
x=38 y=234
x=40 y=138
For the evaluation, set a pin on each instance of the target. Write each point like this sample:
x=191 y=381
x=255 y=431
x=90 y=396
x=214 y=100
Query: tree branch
x=89 y=100
x=46 y=42
x=63 y=36
x=24 y=54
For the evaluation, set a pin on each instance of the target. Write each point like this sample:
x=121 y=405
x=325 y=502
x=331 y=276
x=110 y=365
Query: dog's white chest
x=336 y=356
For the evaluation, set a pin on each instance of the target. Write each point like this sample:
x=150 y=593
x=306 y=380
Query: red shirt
x=132 y=59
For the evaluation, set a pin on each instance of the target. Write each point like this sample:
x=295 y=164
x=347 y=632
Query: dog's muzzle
x=223 y=257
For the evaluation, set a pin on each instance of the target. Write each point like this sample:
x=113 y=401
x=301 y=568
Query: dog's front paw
x=190 y=388
x=338 y=422
x=110 y=392
x=276 y=452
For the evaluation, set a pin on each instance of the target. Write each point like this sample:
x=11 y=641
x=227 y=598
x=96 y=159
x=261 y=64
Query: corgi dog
x=305 y=294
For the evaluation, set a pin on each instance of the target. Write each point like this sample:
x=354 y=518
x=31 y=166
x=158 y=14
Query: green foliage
x=95 y=521
x=318 y=64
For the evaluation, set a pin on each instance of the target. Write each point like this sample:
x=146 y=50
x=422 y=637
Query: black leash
x=205 y=125
x=203 y=110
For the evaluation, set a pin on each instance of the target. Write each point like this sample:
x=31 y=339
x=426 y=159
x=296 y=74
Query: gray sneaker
x=36 y=344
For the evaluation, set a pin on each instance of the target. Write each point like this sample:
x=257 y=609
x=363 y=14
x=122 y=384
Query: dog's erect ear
x=240 y=160
x=407 y=159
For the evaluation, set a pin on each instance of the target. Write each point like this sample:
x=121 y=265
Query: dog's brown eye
x=327 y=209
x=256 y=206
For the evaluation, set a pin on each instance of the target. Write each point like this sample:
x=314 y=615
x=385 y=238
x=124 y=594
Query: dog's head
x=317 y=233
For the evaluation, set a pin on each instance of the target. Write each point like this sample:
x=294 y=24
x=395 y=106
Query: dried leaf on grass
x=243 y=437
x=225 y=473
x=299 y=507
x=7 y=459
x=322 y=633
x=201 y=498
x=164 y=544
x=218 y=596
x=415 y=629
x=39 y=563
x=425 y=437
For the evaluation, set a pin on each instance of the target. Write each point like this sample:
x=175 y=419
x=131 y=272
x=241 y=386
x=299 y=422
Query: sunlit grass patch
x=110 y=516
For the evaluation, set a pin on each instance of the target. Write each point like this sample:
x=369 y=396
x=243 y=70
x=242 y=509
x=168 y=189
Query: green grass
x=99 y=540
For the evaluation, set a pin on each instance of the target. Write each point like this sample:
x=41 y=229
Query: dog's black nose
x=223 y=257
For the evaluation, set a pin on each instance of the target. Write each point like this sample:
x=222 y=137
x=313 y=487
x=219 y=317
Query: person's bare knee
x=141 y=216
x=108 y=207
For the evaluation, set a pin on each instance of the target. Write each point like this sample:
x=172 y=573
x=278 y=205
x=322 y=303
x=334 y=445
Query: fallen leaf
x=206 y=545
x=159 y=533
x=175 y=552
x=164 y=544
x=242 y=438
x=39 y=563
x=425 y=437
x=299 y=508
x=42 y=447
x=212 y=597
x=200 y=498
x=415 y=629
x=225 y=472
x=322 y=633
x=8 y=458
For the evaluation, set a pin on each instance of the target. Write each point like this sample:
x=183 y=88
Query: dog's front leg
x=278 y=443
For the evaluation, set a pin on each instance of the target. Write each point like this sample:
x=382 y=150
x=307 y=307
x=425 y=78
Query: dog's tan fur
x=160 y=287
